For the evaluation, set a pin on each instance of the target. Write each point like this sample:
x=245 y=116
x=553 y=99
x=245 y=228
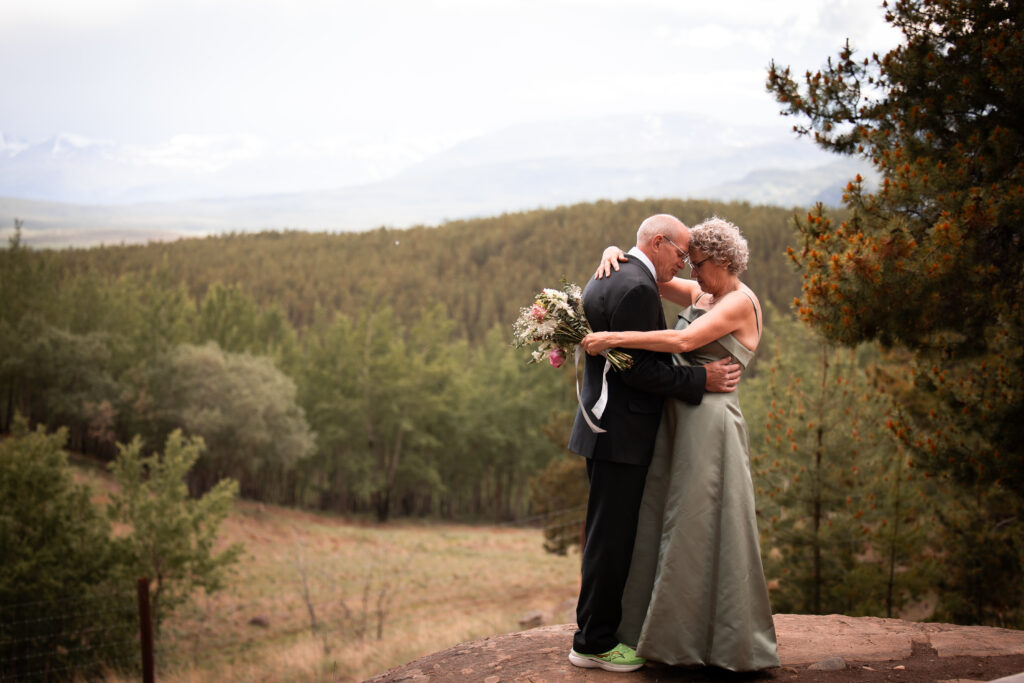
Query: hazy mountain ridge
x=525 y=167
x=785 y=187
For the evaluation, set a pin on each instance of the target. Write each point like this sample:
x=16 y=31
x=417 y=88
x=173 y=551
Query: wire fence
x=79 y=635
x=103 y=634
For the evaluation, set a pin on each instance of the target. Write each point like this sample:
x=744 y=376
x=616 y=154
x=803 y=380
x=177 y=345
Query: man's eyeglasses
x=681 y=252
x=686 y=257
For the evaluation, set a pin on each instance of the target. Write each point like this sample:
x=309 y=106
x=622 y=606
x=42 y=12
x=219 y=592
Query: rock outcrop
x=811 y=649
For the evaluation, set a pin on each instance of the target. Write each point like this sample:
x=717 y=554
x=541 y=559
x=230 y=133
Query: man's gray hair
x=722 y=242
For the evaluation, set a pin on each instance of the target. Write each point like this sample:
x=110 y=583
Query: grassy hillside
x=436 y=586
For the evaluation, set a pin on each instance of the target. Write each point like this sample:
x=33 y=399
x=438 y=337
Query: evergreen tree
x=228 y=317
x=483 y=275
x=934 y=260
x=842 y=522
x=237 y=323
x=26 y=280
x=54 y=377
x=167 y=315
x=67 y=603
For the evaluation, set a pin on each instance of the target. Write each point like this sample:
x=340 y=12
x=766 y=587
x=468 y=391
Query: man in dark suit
x=617 y=433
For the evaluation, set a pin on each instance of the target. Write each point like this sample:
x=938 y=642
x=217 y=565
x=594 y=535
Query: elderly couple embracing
x=671 y=561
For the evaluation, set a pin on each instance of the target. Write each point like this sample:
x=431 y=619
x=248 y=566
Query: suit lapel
x=640 y=265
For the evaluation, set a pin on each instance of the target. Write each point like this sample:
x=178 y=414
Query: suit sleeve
x=639 y=310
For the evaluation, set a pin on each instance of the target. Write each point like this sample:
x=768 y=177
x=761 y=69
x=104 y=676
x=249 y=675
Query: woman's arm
x=728 y=316
x=679 y=290
x=609 y=259
x=655 y=340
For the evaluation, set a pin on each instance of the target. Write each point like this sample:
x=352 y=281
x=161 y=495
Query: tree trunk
x=391 y=470
x=894 y=539
x=383 y=505
x=816 y=544
x=8 y=409
x=498 y=494
x=818 y=494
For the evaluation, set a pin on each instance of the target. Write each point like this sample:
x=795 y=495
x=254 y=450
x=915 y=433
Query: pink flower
x=556 y=357
x=538 y=312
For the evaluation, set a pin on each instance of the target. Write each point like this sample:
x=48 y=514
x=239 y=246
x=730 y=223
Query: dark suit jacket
x=629 y=300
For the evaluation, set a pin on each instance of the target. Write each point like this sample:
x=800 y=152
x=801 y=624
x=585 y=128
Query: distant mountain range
x=530 y=166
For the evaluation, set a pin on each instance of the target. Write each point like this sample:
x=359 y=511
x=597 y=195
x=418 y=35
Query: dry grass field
x=381 y=595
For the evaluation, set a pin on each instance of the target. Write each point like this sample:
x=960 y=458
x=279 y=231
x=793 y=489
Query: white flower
x=547 y=328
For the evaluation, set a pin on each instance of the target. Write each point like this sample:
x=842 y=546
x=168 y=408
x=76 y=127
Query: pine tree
x=62 y=579
x=841 y=520
x=934 y=260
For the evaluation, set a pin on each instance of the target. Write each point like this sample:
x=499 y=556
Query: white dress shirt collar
x=635 y=251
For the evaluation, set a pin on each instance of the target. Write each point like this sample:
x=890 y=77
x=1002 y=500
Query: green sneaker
x=620 y=658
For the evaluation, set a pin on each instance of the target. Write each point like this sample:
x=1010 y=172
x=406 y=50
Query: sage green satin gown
x=696 y=593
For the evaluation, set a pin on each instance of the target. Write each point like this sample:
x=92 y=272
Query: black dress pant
x=613 y=508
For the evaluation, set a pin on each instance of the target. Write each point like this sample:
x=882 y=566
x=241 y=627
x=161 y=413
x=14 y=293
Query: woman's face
x=711 y=276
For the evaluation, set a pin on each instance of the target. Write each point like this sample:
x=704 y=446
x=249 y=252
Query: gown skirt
x=696 y=593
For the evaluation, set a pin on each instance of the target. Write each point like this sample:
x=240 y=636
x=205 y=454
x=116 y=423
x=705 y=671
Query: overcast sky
x=202 y=83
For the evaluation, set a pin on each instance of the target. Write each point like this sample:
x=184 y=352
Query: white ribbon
x=602 y=400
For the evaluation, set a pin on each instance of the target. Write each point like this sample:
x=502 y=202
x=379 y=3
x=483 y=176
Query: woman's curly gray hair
x=722 y=242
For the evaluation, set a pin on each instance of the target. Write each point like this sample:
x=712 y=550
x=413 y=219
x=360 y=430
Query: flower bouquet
x=556 y=324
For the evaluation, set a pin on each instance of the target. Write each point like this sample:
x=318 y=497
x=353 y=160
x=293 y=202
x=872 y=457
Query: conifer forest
x=372 y=375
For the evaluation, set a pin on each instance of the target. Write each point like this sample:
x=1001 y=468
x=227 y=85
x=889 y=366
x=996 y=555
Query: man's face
x=671 y=254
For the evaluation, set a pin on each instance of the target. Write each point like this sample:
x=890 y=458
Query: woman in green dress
x=696 y=594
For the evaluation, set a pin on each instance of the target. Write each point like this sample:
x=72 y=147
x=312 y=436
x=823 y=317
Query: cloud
x=27 y=14
x=199 y=153
x=714 y=36
x=10 y=146
x=346 y=89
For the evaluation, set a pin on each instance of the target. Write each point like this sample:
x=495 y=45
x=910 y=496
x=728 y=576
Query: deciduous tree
x=171 y=535
x=243 y=407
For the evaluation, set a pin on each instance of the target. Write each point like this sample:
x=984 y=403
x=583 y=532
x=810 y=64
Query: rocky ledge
x=812 y=649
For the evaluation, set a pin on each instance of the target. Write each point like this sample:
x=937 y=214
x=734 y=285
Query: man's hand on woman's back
x=723 y=376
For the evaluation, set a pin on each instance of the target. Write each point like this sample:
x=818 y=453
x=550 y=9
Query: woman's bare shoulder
x=750 y=292
x=753 y=296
